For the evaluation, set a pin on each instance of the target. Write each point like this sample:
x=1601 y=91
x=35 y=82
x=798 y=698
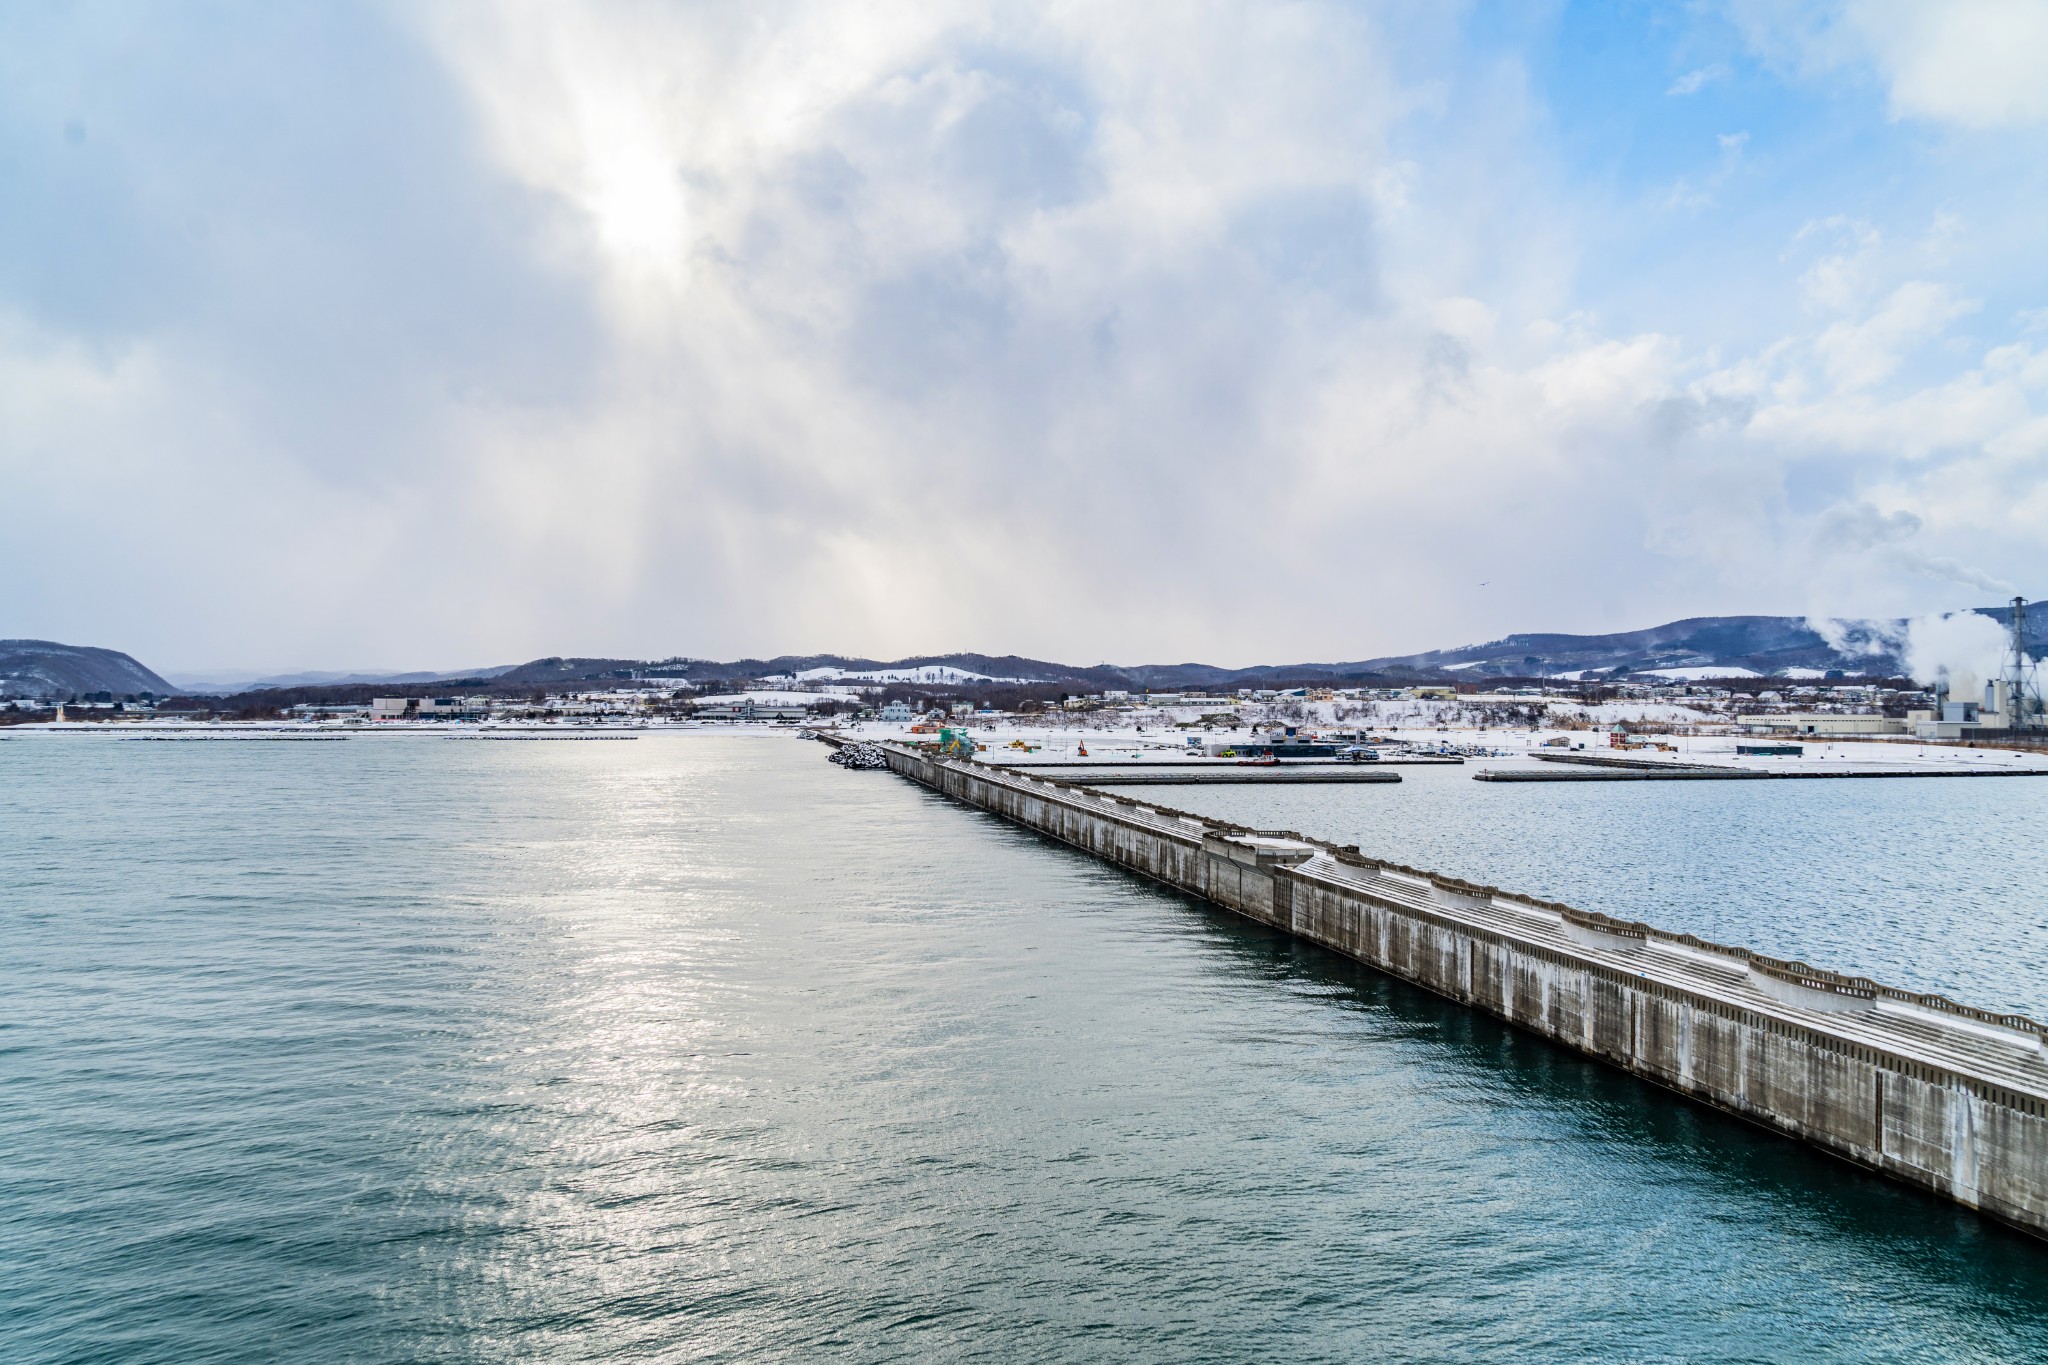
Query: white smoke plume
x=1968 y=644
x=1855 y=639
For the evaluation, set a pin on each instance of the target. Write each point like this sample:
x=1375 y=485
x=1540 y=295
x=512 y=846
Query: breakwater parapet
x=1928 y=1091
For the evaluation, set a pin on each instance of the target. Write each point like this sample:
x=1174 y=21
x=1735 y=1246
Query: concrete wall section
x=1930 y=1092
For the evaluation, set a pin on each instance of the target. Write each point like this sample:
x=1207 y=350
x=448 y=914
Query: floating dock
x=1927 y=1091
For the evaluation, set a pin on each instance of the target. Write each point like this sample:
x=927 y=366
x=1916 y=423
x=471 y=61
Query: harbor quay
x=1933 y=1093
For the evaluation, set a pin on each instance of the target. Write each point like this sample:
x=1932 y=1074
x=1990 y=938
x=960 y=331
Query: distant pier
x=1601 y=768
x=1925 y=1090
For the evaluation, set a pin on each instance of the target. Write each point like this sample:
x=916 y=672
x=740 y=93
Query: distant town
x=1838 y=709
x=1697 y=678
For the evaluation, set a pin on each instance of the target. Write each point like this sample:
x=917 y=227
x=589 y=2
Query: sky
x=438 y=335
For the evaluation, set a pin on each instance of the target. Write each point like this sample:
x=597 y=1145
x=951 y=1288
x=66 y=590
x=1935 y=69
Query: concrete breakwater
x=1188 y=775
x=1053 y=765
x=1918 y=1087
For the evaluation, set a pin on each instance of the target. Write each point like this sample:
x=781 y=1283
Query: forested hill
x=47 y=671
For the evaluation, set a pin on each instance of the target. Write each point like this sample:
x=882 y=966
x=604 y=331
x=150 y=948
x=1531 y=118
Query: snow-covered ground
x=926 y=673
x=767 y=697
x=1695 y=674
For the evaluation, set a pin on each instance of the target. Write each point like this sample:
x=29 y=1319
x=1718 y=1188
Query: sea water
x=699 y=1048
x=1927 y=884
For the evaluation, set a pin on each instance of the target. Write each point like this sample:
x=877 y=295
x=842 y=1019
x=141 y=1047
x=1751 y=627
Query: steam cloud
x=1860 y=639
x=1968 y=644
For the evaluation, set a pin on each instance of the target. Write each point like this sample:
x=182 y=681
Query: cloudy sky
x=437 y=334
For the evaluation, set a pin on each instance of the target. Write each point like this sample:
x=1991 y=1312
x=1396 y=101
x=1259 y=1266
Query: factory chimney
x=2019 y=690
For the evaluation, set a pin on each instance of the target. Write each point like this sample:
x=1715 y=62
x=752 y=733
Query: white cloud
x=1857 y=354
x=1978 y=63
x=1839 y=279
x=1973 y=63
x=1694 y=81
x=1689 y=193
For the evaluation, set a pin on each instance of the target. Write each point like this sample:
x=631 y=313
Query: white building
x=428 y=708
x=1823 y=724
x=747 y=708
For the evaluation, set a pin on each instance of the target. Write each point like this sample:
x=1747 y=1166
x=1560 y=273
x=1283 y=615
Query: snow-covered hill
x=49 y=671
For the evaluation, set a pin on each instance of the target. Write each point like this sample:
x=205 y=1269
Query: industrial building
x=1825 y=724
x=2011 y=701
x=429 y=708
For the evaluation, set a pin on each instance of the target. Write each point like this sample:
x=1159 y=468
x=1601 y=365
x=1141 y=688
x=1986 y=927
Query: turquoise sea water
x=698 y=1048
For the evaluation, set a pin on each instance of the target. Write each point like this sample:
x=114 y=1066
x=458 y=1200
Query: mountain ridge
x=1700 y=646
x=1737 y=646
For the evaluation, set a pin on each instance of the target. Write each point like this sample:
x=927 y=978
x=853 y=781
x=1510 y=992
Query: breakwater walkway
x=1918 y=1087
